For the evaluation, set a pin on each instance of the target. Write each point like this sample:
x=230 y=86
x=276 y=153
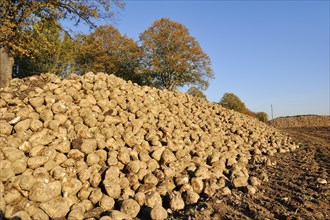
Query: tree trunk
x=6 y=67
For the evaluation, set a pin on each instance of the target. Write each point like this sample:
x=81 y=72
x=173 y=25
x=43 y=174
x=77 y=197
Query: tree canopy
x=54 y=57
x=262 y=116
x=18 y=19
x=21 y=36
x=231 y=101
x=106 y=50
x=194 y=91
x=173 y=58
x=168 y=56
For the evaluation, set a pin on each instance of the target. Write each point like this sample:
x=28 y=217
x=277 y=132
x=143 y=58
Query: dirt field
x=292 y=191
x=301 y=121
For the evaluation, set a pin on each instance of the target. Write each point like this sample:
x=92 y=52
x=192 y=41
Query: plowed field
x=293 y=189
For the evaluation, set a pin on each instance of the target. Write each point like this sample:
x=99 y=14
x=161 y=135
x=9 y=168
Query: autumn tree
x=57 y=58
x=106 y=50
x=17 y=20
x=173 y=58
x=54 y=57
x=231 y=101
x=194 y=91
x=262 y=116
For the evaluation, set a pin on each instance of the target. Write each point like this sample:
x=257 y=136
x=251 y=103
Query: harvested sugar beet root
x=83 y=146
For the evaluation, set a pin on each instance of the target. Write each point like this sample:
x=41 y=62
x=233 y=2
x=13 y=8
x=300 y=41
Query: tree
x=42 y=58
x=106 y=50
x=57 y=57
x=172 y=58
x=17 y=19
x=262 y=116
x=194 y=91
x=231 y=101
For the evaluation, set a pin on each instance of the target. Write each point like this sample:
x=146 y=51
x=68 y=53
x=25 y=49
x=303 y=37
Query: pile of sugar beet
x=98 y=144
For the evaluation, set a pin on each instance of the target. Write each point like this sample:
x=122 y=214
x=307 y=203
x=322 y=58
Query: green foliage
x=262 y=116
x=231 y=101
x=23 y=26
x=172 y=58
x=56 y=57
x=106 y=50
x=18 y=19
x=194 y=91
x=168 y=58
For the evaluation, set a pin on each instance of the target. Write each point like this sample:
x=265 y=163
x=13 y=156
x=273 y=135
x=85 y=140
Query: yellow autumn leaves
x=172 y=57
x=166 y=55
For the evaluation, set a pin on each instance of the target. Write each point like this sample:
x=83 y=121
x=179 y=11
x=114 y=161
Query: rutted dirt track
x=292 y=190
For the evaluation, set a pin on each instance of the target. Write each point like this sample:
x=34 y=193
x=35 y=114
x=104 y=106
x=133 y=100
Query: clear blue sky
x=266 y=52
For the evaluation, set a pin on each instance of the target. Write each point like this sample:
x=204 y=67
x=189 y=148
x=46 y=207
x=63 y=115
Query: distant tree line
x=231 y=101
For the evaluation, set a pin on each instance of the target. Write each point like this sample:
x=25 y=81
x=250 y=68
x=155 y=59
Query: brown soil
x=301 y=121
x=292 y=190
